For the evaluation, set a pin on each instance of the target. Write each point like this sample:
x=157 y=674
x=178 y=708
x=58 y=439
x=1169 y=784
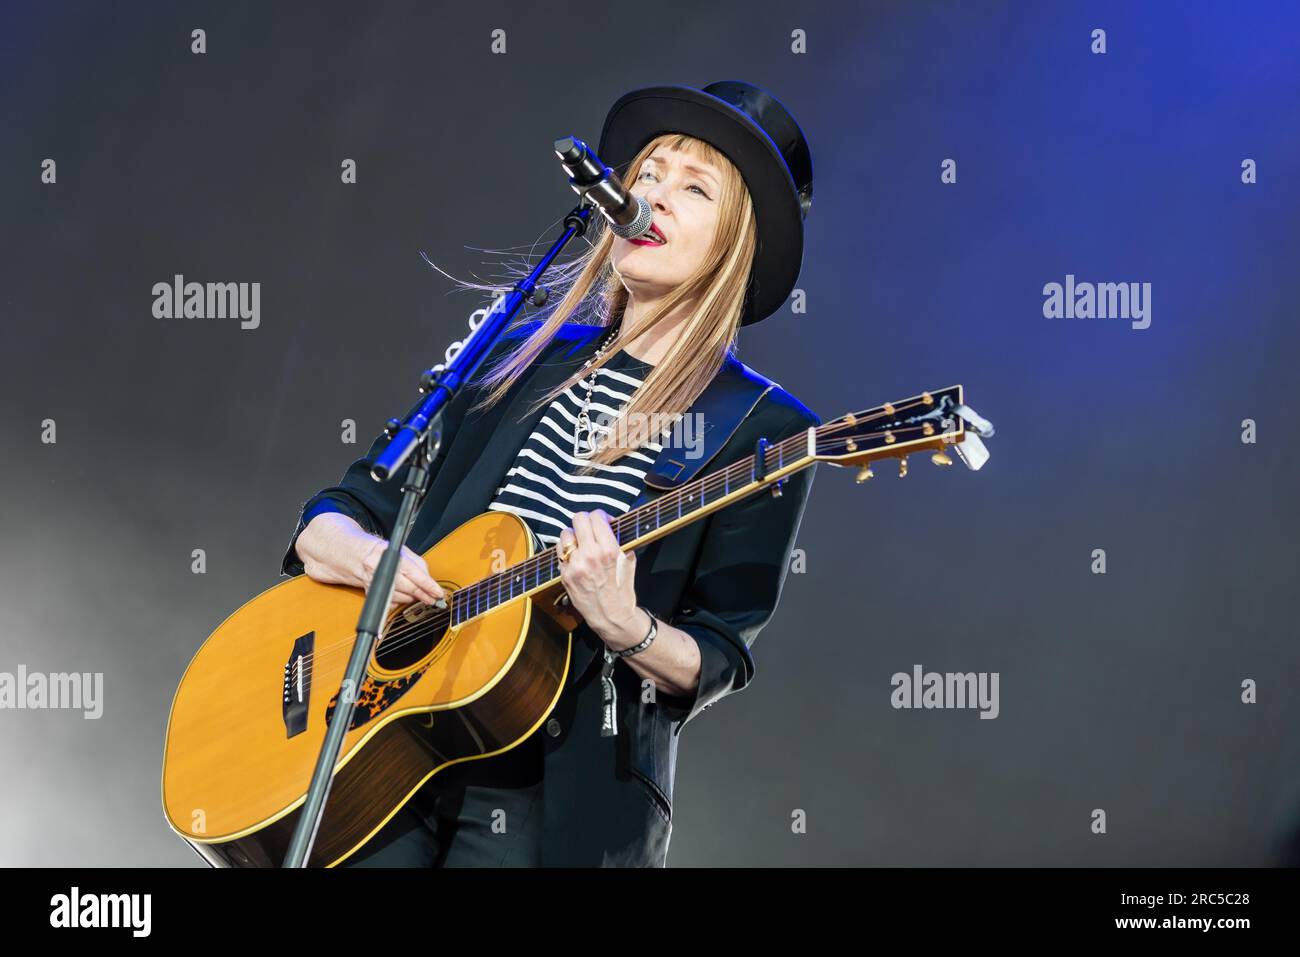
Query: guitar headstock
x=931 y=421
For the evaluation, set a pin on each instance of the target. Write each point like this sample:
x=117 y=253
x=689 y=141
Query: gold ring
x=566 y=549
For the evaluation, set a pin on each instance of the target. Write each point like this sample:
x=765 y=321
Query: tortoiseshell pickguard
x=376 y=697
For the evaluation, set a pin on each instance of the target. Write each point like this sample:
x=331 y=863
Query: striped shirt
x=541 y=488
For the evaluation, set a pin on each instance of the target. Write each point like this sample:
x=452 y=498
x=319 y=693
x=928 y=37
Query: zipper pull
x=609 y=722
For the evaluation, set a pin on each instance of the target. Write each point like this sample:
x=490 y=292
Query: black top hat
x=759 y=136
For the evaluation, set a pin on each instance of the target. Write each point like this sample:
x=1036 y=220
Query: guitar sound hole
x=412 y=634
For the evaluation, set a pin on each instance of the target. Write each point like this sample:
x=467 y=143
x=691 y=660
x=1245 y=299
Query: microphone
x=628 y=216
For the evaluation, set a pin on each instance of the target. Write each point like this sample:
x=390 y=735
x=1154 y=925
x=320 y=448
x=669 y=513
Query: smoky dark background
x=1119 y=691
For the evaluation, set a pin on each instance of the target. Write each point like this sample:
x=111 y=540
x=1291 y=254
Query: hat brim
x=641 y=115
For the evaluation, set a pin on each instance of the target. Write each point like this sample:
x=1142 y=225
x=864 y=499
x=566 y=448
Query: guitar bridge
x=297 y=685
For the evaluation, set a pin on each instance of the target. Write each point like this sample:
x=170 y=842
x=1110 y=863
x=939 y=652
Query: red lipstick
x=650 y=242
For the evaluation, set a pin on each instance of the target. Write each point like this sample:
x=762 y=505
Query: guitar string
x=409 y=632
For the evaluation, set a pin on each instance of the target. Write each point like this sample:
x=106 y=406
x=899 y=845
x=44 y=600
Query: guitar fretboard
x=691 y=502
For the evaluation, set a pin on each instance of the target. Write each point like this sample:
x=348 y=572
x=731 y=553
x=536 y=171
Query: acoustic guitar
x=444 y=685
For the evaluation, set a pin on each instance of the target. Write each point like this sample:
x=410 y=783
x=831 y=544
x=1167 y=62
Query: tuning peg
x=941 y=458
x=864 y=473
x=902 y=467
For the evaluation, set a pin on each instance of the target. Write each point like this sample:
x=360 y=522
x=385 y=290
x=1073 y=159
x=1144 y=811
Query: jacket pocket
x=646 y=750
x=655 y=793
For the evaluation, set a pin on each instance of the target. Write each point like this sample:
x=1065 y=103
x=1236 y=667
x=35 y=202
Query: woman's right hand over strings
x=336 y=550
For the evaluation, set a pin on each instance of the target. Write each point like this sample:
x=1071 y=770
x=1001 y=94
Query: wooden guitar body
x=251 y=711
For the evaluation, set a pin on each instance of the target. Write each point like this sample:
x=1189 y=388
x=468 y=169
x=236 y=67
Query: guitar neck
x=672 y=510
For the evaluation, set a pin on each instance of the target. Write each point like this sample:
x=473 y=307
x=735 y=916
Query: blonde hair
x=593 y=294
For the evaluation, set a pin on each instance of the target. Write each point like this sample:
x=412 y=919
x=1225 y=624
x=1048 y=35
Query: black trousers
x=483 y=813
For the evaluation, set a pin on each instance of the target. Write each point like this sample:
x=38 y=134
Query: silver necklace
x=583 y=425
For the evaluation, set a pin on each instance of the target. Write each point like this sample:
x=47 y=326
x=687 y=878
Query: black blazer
x=609 y=800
